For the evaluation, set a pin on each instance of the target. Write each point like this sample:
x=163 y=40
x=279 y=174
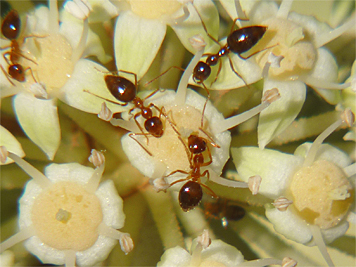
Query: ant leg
x=212 y=193
x=33 y=76
x=217 y=74
x=8 y=61
x=210 y=158
x=129 y=72
x=151 y=94
x=139 y=126
x=132 y=136
x=7 y=75
x=204 y=26
x=180 y=180
x=234 y=23
x=206 y=102
x=163 y=73
x=105 y=98
x=256 y=52
x=237 y=74
x=210 y=138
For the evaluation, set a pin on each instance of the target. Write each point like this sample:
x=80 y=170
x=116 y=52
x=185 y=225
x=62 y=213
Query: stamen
x=196 y=255
x=105 y=113
x=226 y=182
x=240 y=14
x=24 y=234
x=318 y=238
x=37 y=176
x=268 y=97
x=314 y=82
x=288 y=262
x=97 y=158
x=310 y=157
x=126 y=243
x=94 y=180
x=70 y=256
x=254 y=183
x=284 y=9
x=182 y=18
x=282 y=203
x=328 y=37
x=127 y=125
x=204 y=239
x=125 y=240
x=78 y=51
x=183 y=83
x=53 y=17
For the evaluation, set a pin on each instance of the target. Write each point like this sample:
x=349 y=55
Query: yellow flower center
x=290 y=42
x=66 y=217
x=168 y=149
x=154 y=9
x=54 y=66
x=321 y=194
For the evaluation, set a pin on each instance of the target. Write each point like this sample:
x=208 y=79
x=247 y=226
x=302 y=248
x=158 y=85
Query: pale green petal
x=88 y=75
x=313 y=8
x=275 y=168
x=38 y=21
x=289 y=225
x=281 y=113
x=137 y=41
x=230 y=7
x=175 y=257
x=325 y=152
x=193 y=26
x=39 y=120
x=326 y=70
x=11 y=144
x=72 y=29
x=331 y=234
x=349 y=94
x=103 y=10
x=220 y=252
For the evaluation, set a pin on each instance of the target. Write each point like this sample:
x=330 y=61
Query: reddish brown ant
x=10 y=28
x=238 y=42
x=126 y=91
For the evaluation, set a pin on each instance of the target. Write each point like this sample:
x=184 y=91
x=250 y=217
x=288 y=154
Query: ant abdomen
x=243 y=39
x=10 y=27
x=121 y=88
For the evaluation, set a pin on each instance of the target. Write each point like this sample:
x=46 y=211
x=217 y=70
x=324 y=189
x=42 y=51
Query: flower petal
x=11 y=144
x=326 y=70
x=193 y=26
x=88 y=75
x=39 y=120
x=289 y=225
x=281 y=113
x=175 y=257
x=137 y=41
x=103 y=10
x=325 y=152
x=275 y=168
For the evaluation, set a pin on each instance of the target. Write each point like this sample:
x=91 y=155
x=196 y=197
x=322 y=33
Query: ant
x=126 y=91
x=224 y=210
x=238 y=42
x=10 y=28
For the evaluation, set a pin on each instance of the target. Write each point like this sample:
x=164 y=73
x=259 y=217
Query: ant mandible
x=238 y=42
x=126 y=91
x=10 y=28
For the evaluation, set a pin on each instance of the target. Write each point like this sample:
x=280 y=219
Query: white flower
x=55 y=54
x=315 y=179
x=299 y=39
x=67 y=217
x=8 y=140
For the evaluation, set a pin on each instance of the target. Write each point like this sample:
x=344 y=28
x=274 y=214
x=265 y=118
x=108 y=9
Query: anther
x=254 y=183
x=282 y=203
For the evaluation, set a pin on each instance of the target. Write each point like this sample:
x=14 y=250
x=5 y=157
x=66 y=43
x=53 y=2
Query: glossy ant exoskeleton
x=126 y=91
x=10 y=28
x=238 y=42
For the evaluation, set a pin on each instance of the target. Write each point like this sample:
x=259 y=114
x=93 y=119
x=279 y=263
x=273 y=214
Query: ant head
x=201 y=72
x=17 y=72
x=121 y=88
x=154 y=126
x=190 y=195
x=10 y=26
x=196 y=144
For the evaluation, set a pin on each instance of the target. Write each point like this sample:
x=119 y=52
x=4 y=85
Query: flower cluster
x=167 y=90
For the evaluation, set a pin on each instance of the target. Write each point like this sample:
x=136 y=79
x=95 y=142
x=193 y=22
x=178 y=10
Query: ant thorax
x=168 y=152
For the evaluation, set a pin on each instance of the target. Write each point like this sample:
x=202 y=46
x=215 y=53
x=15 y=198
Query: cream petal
x=102 y=10
x=275 y=168
x=281 y=113
x=331 y=234
x=11 y=144
x=175 y=257
x=88 y=75
x=137 y=41
x=220 y=252
x=289 y=225
x=326 y=152
x=192 y=25
x=39 y=120
x=326 y=70
x=72 y=29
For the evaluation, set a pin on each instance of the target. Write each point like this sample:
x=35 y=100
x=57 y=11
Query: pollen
x=321 y=194
x=66 y=216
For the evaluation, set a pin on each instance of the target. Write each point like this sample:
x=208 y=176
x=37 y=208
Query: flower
x=8 y=140
x=311 y=188
x=57 y=71
x=299 y=40
x=66 y=216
